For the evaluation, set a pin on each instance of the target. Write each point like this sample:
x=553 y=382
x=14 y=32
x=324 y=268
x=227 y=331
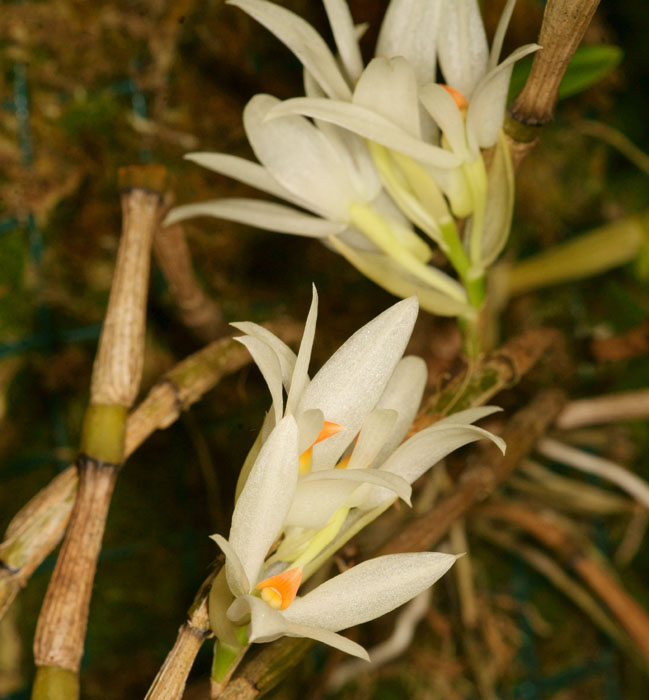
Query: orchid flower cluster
x=381 y=162
x=327 y=457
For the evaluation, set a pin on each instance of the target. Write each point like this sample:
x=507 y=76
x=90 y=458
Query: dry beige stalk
x=170 y=681
x=612 y=408
x=118 y=366
x=61 y=627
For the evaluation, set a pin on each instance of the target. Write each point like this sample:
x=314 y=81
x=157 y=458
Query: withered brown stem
x=196 y=310
x=564 y=25
x=475 y=385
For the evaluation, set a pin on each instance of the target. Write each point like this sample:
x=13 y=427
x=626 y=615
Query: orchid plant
x=374 y=156
x=328 y=457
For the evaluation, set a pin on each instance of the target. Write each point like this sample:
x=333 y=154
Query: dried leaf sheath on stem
x=117 y=370
x=564 y=24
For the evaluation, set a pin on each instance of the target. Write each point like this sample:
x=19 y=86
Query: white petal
x=388 y=87
x=393 y=482
x=469 y=415
x=442 y=108
x=463 y=51
x=327 y=637
x=368 y=590
x=244 y=171
x=375 y=431
x=370 y=125
x=499 y=36
x=309 y=426
x=254 y=212
x=410 y=30
x=300 y=157
x=500 y=203
x=285 y=355
x=403 y=394
x=342 y=25
x=237 y=579
x=316 y=501
x=300 y=375
x=303 y=40
x=387 y=274
x=269 y=366
x=425 y=449
x=265 y=499
x=266 y=624
x=486 y=112
x=348 y=386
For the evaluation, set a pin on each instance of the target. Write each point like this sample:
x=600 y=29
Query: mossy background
x=88 y=87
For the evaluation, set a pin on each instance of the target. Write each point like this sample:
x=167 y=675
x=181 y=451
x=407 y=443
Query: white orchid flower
x=329 y=172
x=370 y=394
x=270 y=607
x=332 y=447
x=469 y=110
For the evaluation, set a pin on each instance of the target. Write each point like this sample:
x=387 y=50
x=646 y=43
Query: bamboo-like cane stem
x=117 y=370
x=39 y=525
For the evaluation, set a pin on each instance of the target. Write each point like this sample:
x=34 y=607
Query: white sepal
x=266 y=624
x=268 y=363
x=350 y=383
x=388 y=87
x=403 y=394
x=261 y=509
x=410 y=29
x=285 y=355
x=368 y=590
x=300 y=157
x=462 y=45
x=368 y=124
x=300 y=374
x=254 y=212
x=303 y=40
x=375 y=431
x=342 y=26
x=244 y=171
x=237 y=580
x=331 y=638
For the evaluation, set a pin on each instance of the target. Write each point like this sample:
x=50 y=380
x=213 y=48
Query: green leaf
x=588 y=66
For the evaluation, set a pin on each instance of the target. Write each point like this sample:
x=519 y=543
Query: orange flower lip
x=279 y=591
x=328 y=429
x=459 y=99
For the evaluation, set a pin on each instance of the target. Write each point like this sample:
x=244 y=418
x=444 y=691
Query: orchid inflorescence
x=381 y=162
x=328 y=456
